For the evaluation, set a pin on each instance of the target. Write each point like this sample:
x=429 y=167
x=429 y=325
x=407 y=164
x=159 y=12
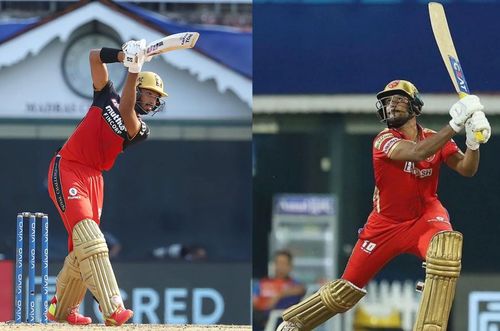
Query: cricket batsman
x=407 y=216
x=76 y=187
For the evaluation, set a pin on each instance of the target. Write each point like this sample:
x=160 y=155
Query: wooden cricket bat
x=448 y=53
x=173 y=42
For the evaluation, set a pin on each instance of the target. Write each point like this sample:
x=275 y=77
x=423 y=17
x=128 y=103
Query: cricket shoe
x=120 y=316
x=290 y=326
x=73 y=318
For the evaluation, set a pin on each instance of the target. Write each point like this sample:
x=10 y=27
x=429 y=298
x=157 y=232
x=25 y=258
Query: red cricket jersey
x=101 y=135
x=402 y=188
x=269 y=288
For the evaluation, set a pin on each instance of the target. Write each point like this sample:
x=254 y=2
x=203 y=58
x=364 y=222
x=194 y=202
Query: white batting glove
x=477 y=122
x=462 y=110
x=135 y=54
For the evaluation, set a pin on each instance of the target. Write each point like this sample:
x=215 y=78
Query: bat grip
x=479 y=136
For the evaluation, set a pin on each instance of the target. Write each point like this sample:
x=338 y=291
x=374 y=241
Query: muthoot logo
x=114 y=120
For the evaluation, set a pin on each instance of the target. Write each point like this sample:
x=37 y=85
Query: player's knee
x=341 y=295
x=444 y=255
x=73 y=267
x=88 y=239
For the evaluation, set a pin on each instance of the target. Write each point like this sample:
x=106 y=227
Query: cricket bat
x=173 y=42
x=448 y=53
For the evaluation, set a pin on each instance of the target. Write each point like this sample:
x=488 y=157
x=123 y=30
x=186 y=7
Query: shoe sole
x=114 y=323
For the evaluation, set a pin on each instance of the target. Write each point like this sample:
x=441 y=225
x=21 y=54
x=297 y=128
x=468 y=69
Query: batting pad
x=332 y=298
x=92 y=253
x=443 y=264
x=70 y=288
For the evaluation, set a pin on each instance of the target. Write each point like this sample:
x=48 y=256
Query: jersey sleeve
x=107 y=92
x=384 y=144
x=142 y=135
x=449 y=148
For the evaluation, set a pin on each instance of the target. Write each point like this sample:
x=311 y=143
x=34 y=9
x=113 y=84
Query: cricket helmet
x=150 y=81
x=403 y=88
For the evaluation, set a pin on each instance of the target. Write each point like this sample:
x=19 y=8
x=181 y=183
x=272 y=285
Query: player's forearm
x=98 y=70
x=94 y=56
x=429 y=146
x=128 y=97
x=98 y=59
x=469 y=165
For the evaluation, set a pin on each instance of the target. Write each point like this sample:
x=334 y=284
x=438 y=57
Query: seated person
x=278 y=292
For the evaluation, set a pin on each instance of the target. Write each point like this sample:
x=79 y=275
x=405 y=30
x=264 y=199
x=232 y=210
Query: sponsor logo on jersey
x=380 y=139
x=143 y=128
x=422 y=173
x=73 y=193
x=388 y=145
x=115 y=103
x=114 y=120
x=409 y=167
x=56 y=185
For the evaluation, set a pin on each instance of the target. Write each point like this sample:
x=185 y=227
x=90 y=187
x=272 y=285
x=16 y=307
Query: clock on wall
x=76 y=66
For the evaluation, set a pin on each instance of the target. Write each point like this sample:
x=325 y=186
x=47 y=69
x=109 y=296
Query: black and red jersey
x=101 y=135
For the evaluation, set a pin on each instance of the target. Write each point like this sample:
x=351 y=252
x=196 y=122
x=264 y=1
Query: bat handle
x=479 y=136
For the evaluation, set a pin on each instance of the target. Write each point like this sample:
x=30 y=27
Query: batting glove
x=462 y=110
x=477 y=122
x=135 y=54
